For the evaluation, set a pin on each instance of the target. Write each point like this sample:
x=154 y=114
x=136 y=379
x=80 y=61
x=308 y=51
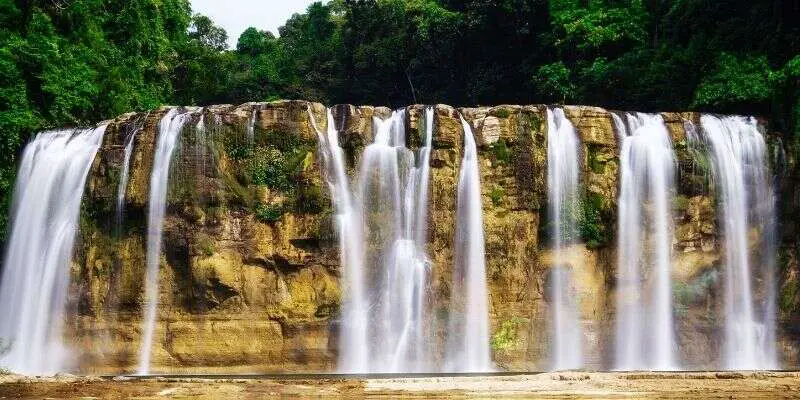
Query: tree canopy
x=73 y=62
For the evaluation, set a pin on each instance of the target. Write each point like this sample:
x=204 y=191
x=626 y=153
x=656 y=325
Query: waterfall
x=125 y=173
x=201 y=141
x=563 y=202
x=45 y=216
x=353 y=353
x=645 y=337
x=169 y=129
x=251 y=127
x=382 y=225
x=468 y=334
x=745 y=202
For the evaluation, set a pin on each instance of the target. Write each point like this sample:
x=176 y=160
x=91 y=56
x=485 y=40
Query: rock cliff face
x=250 y=275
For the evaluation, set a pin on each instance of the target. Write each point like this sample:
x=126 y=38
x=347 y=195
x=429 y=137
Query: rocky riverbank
x=570 y=385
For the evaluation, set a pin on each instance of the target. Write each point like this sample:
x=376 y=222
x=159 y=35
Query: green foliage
x=506 y=336
x=267 y=166
x=207 y=34
x=591 y=228
x=555 y=81
x=496 y=195
x=595 y=164
x=501 y=113
x=501 y=152
x=598 y=24
x=734 y=80
x=278 y=162
x=268 y=213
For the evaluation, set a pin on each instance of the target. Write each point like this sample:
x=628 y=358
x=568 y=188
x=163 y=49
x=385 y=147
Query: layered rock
x=250 y=276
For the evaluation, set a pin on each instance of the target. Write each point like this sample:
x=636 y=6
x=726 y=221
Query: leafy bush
x=591 y=227
x=267 y=166
x=237 y=147
x=268 y=212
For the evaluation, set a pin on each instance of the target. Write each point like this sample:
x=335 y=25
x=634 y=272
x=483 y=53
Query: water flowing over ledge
x=298 y=238
x=33 y=290
x=563 y=177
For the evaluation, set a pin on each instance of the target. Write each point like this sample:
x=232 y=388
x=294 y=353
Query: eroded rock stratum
x=250 y=274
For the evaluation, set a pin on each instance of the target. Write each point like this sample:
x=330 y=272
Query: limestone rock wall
x=250 y=276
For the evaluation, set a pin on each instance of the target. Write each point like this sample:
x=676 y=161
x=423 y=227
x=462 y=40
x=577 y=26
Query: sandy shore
x=571 y=385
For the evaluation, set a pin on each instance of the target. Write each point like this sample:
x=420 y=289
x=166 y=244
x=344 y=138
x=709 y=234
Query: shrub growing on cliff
x=267 y=167
x=506 y=336
x=501 y=152
x=591 y=227
x=268 y=212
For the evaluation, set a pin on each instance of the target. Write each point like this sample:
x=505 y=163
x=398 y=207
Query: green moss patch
x=496 y=194
x=507 y=336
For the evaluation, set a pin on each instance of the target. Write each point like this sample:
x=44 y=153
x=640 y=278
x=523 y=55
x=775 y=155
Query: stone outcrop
x=250 y=275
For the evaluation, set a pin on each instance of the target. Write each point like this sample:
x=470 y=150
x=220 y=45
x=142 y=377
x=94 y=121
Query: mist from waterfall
x=44 y=221
x=645 y=332
x=169 y=130
x=468 y=332
x=382 y=224
x=746 y=202
x=563 y=175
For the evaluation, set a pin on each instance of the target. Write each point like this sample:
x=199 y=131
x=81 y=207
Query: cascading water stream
x=169 y=129
x=562 y=185
x=200 y=144
x=353 y=352
x=251 y=127
x=645 y=337
x=33 y=290
x=468 y=333
x=745 y=201
x=125 y=172
x=382 y=227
